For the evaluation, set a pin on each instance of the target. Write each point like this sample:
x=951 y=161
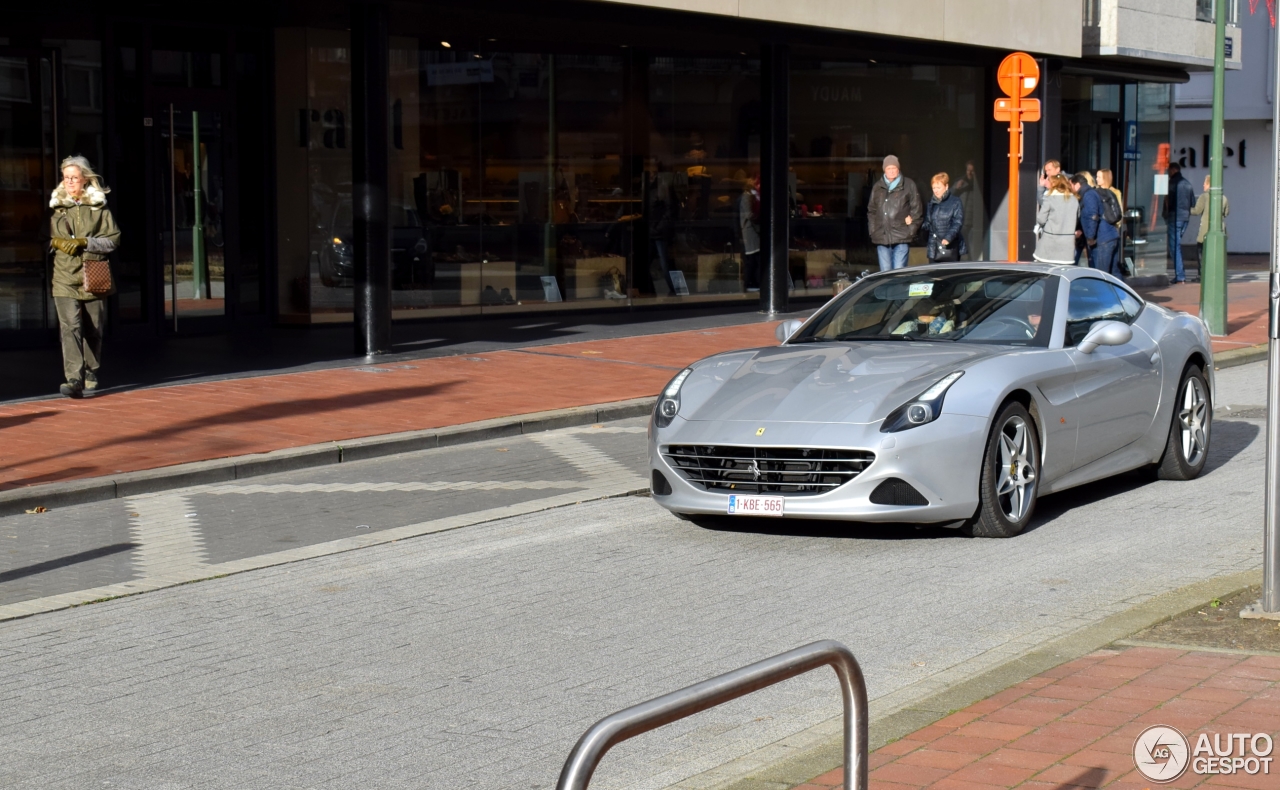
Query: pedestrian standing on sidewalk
x=1201 y=210
x=894 y=213
x=1051 y=168
x=1177 y=213
x=1100 y=237
x=1112 y=214
x=944 y=223
x=1056 y=221
x=81 y=229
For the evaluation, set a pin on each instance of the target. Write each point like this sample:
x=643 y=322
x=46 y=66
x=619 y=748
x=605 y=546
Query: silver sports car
x=952 y=394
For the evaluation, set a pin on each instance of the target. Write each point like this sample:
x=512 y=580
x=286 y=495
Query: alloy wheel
x=1015 y=486
x=1193 y=421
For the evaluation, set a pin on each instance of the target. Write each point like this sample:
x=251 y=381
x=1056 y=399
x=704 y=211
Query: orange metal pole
x=1015 y=148
x=1015 y=145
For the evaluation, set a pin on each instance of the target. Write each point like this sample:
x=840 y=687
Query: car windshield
x=954 y=305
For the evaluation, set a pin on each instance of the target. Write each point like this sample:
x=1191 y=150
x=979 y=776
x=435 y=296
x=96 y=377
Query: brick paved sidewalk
x=1246 y=308
x=54 y=440
x=1075 y=725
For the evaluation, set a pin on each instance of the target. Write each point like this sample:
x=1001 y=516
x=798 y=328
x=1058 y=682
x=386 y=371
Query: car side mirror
x=786 y=329
x=1105 y=333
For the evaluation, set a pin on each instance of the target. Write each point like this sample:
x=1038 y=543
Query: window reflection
x=845 y=118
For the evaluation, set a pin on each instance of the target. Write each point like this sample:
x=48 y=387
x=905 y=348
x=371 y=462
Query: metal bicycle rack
x=639 y=719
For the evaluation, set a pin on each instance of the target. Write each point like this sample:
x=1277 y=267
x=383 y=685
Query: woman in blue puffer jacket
x=944 y=217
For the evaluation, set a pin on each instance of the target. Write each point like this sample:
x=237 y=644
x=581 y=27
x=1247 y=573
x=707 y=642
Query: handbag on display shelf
x=97 y=277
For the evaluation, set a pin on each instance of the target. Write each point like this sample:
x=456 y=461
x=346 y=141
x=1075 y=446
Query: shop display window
x=845 y=118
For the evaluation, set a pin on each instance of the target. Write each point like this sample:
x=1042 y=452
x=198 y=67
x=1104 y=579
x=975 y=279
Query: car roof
x=1064 y=271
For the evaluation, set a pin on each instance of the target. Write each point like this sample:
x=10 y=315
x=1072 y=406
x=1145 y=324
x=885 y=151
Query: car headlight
x=922 y=409
x=669 y=401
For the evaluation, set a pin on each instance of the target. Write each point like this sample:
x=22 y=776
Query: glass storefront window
x=699 y=231
x=1150 y=105
x=845 y=118
x=534 y=176
x=51 y=104
x=1094 y=117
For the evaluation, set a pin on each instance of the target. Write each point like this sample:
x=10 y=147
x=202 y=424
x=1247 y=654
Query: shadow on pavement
x=62 y=562
x=270 y=411
x=809 y=528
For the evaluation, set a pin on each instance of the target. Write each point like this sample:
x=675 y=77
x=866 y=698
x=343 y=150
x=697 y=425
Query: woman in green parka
x=81 y=228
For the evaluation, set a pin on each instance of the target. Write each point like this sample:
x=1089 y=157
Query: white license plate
x=750 y=505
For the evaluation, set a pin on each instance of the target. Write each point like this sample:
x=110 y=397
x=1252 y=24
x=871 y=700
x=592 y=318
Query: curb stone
x=795 y=760
x=1240 y=356
x=221 y=470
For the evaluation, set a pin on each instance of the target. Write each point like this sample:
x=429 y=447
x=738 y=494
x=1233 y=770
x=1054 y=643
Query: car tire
x=1010 y=480
x=1187 y=448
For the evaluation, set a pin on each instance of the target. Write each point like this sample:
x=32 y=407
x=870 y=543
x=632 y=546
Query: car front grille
x=766 y=470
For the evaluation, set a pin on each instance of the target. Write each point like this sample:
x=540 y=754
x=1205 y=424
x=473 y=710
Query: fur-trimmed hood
x=94 y=198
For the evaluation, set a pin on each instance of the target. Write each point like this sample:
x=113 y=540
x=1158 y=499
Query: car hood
x=831 y=382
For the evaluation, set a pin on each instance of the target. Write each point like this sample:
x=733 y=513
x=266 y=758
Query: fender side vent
x=659 y=484
x=897 y=492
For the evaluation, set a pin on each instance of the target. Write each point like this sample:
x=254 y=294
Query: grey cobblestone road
x=475 y=657
x=180 y=534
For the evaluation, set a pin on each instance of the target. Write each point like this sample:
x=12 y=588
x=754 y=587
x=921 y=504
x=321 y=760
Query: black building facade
x=325 y=162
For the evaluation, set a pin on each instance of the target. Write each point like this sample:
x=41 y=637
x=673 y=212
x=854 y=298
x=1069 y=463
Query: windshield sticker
x=920 y=289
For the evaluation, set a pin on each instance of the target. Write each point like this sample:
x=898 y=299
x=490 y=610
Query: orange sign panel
x=1028 y=110
x=1018 y=74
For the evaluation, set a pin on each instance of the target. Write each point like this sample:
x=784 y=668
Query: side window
x=1129 y=302
x=1091 y=300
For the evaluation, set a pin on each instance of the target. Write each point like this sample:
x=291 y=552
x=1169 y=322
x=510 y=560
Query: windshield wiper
x=812 y=339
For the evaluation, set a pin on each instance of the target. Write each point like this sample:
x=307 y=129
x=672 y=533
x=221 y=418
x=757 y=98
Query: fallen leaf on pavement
x=38 y=509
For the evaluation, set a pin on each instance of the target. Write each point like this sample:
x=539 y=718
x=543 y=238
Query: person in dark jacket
x=894 y=212
x=1100 y=236
x=659 y=216
x=944 y=222
x=1177 y=215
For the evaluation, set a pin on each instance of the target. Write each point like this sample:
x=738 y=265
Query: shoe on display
x=72 y=389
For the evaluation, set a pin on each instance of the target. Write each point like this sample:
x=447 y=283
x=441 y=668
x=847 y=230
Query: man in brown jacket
x=81 y=228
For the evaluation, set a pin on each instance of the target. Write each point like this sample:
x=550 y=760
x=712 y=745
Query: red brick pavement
x=1246 y=310
x=1075 y=726
x=46 y=441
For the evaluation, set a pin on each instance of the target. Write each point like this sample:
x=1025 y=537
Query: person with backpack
x=1112 y=214
x=1101 y=238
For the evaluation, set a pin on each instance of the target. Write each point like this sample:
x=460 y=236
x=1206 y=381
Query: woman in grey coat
x=1057 y=221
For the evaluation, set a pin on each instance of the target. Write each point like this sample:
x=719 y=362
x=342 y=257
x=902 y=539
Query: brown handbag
x=97 y=277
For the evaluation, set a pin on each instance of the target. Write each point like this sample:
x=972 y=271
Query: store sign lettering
x=459 y=73
x=836 y=93
x=1188 y=157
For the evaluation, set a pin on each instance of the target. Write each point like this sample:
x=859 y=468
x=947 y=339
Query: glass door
x=28 y=118
x=192 y=236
